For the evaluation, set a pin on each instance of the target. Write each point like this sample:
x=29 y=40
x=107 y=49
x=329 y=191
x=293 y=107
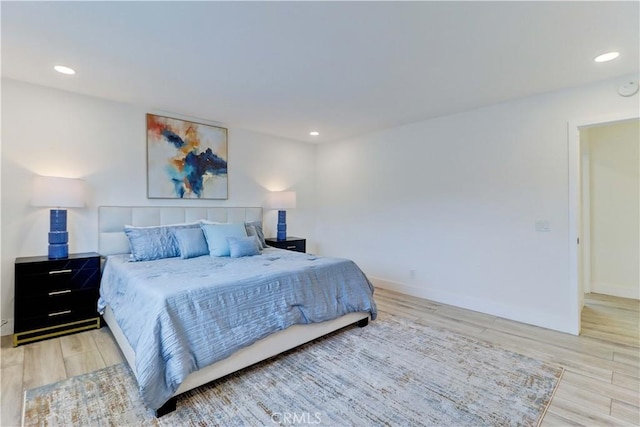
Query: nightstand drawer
x=44 y=278
x=298 y=246
x=60 y=317
x=46 y=267
x=291 y=243
x=57 y=302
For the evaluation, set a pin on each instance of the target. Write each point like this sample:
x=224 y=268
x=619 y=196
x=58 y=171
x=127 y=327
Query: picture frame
x=185 y=159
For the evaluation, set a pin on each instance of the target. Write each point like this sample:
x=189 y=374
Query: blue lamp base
x=282 y=225
x=58 y=235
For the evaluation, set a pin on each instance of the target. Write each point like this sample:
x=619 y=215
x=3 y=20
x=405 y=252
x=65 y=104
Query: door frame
x=577 y=253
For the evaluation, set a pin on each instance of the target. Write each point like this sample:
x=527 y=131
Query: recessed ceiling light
x=607 y=56
x=314 y=133
x=64 y=70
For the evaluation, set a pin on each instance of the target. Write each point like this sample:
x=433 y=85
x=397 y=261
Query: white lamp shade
x=58 y=192
x=281 y=200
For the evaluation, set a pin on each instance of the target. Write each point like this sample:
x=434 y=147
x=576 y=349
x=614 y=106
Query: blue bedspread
x=182 y=315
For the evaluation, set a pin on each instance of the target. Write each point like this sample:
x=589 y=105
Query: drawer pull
x=60 y=271
x=66 y=291
x=291 y=247
x=59 y=313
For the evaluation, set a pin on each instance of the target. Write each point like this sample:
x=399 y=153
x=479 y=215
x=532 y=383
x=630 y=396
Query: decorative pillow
x=191 y=242
x=259 y=233
x=243 y=246
x=251 y=231
x=149 y=243
x=216 y=235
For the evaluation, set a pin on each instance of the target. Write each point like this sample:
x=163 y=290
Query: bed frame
x=112 y=240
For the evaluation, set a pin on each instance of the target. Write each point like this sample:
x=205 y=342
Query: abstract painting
x=185 y=160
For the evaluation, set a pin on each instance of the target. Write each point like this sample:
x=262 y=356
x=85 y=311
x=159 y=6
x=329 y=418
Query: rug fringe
x=24 y=407
x=553 y=393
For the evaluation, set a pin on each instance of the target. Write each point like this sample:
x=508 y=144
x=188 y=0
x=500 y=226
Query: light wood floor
x=600 y=386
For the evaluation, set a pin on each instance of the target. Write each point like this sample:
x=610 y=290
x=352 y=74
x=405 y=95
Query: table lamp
x=59 y=193
x=281 y=200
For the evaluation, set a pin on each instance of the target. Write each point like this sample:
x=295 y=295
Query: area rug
x=393 y=372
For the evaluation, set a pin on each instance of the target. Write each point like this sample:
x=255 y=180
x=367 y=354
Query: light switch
x=543 y=226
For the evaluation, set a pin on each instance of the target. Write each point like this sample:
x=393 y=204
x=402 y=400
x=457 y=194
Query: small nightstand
x=55 y=296
x=296 y=244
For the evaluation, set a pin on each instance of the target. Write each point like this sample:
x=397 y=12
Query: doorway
x=610 y=225
x=583 y=217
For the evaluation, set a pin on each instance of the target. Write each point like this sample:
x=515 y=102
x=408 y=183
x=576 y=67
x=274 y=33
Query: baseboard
x=7 y=328
x=615 y=289
x=519 y=314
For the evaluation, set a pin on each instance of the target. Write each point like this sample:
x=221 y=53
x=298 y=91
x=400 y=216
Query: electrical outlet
x=412 y=274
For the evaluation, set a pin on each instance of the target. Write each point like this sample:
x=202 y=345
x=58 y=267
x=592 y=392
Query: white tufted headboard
x=112 y=219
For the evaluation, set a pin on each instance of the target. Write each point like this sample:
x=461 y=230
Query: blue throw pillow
x=191 y=242
x=149 y=243
x=255 y=229
x=243 y=246
x=216 y=235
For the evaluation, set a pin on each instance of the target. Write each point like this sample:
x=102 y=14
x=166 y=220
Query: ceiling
x=341 y=68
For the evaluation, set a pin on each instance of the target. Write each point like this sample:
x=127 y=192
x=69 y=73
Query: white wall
x=614 y=165
x=445 y=208
x=52 y=132
x=454 y=199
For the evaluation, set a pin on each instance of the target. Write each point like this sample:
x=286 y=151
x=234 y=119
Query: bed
x=182 y=323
